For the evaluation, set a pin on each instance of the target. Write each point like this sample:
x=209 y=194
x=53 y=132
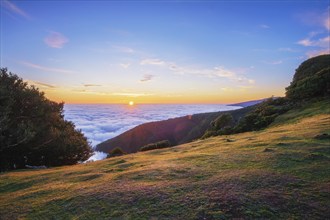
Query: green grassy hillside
x=282 y=172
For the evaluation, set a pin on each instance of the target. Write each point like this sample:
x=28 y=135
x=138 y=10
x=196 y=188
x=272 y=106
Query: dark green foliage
x=33 y=130
x=311 y=66
x=209 y=133
x=263 y=115
x=223 y=124
x=157 y=145
x=312 y=79
x=258 y=117
x=223 y=121
x=116 y=152
x=322 y=136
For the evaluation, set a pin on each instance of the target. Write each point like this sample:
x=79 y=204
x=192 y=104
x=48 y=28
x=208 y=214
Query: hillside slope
x=282 y=172
x=177 y=130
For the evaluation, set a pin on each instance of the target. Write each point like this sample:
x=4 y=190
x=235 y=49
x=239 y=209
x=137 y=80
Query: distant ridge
x=248 y=103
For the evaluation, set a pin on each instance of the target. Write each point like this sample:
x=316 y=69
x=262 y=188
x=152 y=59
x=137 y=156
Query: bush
x=263 y=115
x=33 y=130
x=224 y=120
x=116 y=152
x=157 y=145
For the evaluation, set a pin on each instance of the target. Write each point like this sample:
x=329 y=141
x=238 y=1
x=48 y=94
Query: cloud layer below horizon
x=102 y=122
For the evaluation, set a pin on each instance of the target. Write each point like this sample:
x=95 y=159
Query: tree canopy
x=311 y=79
x=33 y=130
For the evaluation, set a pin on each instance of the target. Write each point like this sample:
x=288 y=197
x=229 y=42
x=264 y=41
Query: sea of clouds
x=102 y=122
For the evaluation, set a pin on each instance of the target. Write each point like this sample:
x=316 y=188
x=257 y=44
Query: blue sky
x=162 y=51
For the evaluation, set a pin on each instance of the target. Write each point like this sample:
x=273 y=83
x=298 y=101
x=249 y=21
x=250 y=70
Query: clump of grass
x=323 y=136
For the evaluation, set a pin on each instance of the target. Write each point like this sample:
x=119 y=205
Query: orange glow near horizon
x=188 y=98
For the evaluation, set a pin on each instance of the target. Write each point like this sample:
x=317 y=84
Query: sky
x=161 y=51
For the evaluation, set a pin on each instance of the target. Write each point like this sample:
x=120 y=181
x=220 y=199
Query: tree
x=311 y=79
x=33 y=130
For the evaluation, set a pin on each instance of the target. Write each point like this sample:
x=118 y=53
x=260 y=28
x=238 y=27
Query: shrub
x=33 y=130
x=263 y=115
x=157 y=145
x=116 y=152
x=224 y=120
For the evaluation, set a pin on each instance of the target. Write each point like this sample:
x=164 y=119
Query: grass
x=282 y=172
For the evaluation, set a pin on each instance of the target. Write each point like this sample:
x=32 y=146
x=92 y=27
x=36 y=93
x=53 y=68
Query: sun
x=131 y=103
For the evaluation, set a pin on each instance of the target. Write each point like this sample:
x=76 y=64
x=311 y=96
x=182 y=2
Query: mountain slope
x=282 y=172
x=176 y=130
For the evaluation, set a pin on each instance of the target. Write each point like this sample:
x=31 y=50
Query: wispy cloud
x=84 y=91
x=41 y=84
x=319 y=40
x=14 y=9
x=315 y=18
x=244 y=88
x=264 y=26
x=326 y=22
x=215 y=72
x=47 y=69
x=275 y=62
x=128 y=94
x=227 y=89
x=315 y=53
x=305 y=42
x=125 y=65
x=91 y=85
x=287 y=49
x=108 y=48
x=147 y=77
x=322 y=43
x=156 y=62
x=79 y=90
x=56 y=40
x=123 y=49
